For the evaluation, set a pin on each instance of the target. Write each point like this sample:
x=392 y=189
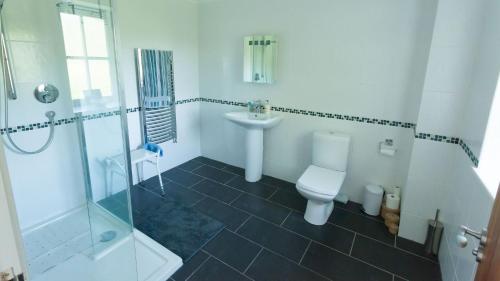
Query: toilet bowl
x=322 y=180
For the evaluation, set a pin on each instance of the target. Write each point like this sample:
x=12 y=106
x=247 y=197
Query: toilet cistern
x=254 y=140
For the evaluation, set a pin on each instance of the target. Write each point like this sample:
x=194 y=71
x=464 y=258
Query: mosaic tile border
x=424 y=136
x=438 y=138
x=453 y=140
x=187 y=101
x=469 y=153
x=320 y=114
x=70 y=120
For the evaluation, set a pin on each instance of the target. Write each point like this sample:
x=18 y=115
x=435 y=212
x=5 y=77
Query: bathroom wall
x=50 y=183
x=334 y=58
x=460 y=83
x=450 y=67
x=470 y=199
x=165 y=25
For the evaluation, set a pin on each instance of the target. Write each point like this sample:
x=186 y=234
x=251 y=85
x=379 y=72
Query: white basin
x=254 y=140
x=243 y=118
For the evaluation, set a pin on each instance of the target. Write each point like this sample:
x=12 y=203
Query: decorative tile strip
x=452 y=140
x=226 y=102
x=65 y=121
x=321 y=114
x=469 y=153
x=36 y=126
x=437 y=138
x=187 y=101
x=133 y=109
x=425 y=136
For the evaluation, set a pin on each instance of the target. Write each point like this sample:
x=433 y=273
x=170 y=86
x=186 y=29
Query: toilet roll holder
x=482 y=236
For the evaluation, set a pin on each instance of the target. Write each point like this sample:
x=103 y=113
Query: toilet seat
x=321 y=181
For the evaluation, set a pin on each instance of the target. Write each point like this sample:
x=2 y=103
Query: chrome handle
x=481 y=236
x=479 y=253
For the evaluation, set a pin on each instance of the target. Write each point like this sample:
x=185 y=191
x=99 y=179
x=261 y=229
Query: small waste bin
x=373 y=199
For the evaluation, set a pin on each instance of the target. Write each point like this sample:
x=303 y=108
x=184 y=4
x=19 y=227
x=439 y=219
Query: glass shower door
x=90 y=55
x=72 y=200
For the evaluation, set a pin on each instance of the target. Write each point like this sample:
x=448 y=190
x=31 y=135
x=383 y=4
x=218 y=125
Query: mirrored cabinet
x=260 y=59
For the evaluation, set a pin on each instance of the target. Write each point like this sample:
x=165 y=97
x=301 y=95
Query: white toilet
x=322 y=180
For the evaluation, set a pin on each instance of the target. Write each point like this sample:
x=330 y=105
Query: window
x=87 y=55
x=490 y=152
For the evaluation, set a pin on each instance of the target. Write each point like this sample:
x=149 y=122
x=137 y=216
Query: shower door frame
x=20 y=256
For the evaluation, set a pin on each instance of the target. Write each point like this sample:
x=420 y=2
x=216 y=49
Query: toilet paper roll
x=397 y=191
x=392 y=202
x=387 y=150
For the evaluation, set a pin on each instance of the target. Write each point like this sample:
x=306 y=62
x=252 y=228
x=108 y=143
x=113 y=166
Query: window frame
x=86 y=59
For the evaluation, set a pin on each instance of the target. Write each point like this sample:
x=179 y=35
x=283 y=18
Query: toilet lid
x=321 y=180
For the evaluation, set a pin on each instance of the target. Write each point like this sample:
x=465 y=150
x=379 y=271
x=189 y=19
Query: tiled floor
x=265 y=236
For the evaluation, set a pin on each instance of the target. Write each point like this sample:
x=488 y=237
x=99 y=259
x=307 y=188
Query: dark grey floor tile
x=182 y=230
x=361 y=224
x=394 y=260
x=190 y=266
x=235 y=170
x=117 y=208
x=290 y=198
x=275 y=238
x=214 y=270
x=214 y=174
x=121 y=197
x=231 y=217
x=414 y=247
x=152 y=183
x=340 y=267
x=146 y=202
x=271 y=267
x=356 y=208
x=278 y=183
x=181 y=177
x=190 y=165
x=174 y=191
x=396 y=278
x=254 y=188
x=210 y=162
x=262 y=208
x=217 y=191
x=328 y=234
x=232 y=249
x=109 y=203
x=182 y=195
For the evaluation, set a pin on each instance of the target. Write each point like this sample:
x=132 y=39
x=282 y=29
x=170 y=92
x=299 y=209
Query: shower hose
x=50 y=115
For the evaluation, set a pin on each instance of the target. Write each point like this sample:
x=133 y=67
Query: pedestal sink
x=254 y=140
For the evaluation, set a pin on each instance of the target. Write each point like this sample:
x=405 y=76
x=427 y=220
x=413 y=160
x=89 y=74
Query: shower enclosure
x=72 y=198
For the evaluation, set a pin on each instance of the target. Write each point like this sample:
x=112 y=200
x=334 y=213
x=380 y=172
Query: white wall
x=472 y=201
x=446 y=89
x=49 y=183
x=333 y=57
x=165 y=25
x=460 y=84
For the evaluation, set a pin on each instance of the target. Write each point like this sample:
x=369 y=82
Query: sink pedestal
x=254 y=140
x=254 y=154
